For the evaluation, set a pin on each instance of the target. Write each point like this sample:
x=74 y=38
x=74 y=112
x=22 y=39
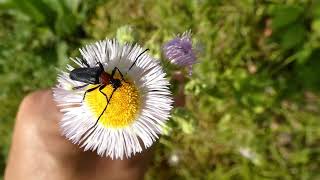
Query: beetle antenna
x=100 y=65
x=137 y=59
x=84 y=62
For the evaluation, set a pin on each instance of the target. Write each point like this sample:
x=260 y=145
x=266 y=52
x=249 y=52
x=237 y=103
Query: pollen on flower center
x=122 y=108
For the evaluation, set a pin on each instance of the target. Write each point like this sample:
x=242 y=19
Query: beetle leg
x=114 y=71
x=108 y=101
x=90 y=130
x=100 y=89
x=89 y=90
x=79 y=87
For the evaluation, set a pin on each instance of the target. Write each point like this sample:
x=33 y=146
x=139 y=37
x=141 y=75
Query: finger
x=47 y=155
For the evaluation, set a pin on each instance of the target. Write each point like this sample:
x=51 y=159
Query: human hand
x=38 y=150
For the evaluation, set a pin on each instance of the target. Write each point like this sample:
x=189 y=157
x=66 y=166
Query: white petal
x=150 y=80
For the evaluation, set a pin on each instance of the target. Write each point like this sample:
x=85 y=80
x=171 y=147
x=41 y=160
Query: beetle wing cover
x=86 y=75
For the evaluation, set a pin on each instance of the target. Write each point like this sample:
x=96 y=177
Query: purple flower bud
x=179 y=51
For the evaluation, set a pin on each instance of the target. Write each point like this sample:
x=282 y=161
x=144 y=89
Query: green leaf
x=62 y=49
x=316 y=9
x=72 y=5
x=293 y=36
x=66 y=18
x=126 y=34
x=300 y=157
x=284 y=15
x=184 y=120
x=33 y=10
x=316 y=26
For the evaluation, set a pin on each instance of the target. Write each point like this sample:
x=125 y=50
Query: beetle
x=98 y=76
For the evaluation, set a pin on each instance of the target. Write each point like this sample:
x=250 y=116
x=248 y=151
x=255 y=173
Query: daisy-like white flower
x=180 y=51
x=137 y=110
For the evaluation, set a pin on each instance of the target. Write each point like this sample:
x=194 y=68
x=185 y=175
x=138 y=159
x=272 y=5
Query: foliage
x=252 y=103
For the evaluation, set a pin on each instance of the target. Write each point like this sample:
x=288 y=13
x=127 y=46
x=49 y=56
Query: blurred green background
x=252 y=104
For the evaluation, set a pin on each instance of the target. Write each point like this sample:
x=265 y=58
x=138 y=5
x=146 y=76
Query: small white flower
x=250 y=154
x=174 y=159
x=247 y=153
x=137 y=111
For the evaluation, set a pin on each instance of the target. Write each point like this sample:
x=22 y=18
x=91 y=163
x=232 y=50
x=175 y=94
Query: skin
x=38 y=150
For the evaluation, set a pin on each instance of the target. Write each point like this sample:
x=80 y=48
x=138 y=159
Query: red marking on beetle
x=105 y=78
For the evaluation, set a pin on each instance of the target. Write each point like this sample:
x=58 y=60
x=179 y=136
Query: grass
x=252 y=103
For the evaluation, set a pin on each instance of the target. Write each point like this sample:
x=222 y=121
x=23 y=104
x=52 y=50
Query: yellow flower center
x=122 y=108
